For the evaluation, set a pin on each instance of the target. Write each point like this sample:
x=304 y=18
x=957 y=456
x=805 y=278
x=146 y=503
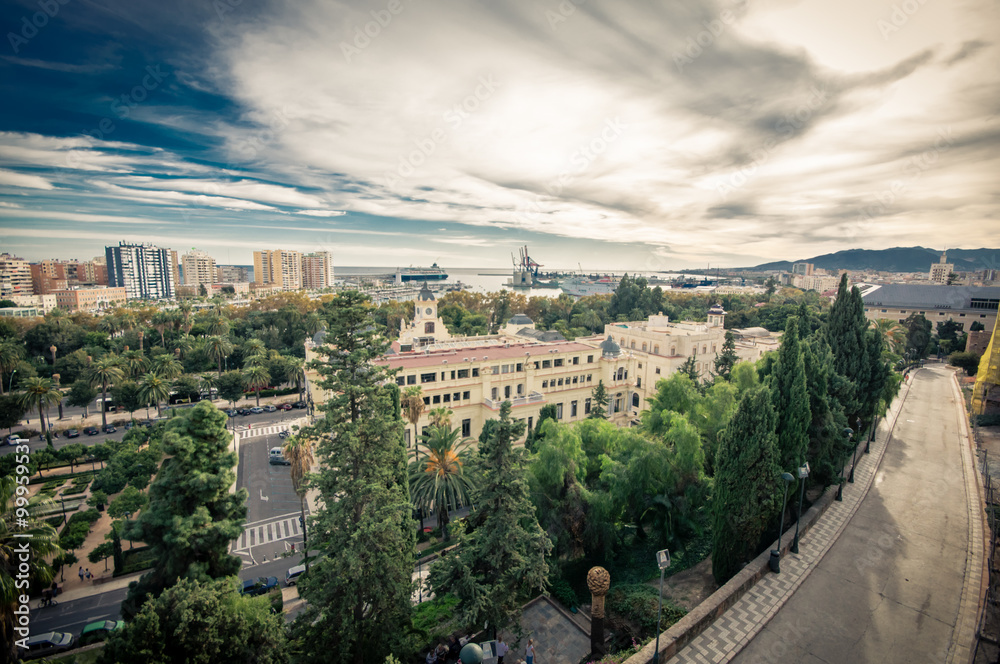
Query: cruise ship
x=582 y=286
x=432 y=273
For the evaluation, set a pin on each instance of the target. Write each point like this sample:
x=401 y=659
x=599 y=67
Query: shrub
x=432 y=621
x=965 y=360
x=137 y=560
x=635 y=607
x=563 y=592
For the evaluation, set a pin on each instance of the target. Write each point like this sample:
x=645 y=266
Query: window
x=657 y=371
x=520 y=389
x=656 y=350
x=411 y=379
x=400 y=380
x=902 y=311
x=633 y=345
x=494 y=394
x=456 y=396
x=444 y=375
x=694 y=351
x=576 y=360
x=673 y=350
x=546 y=364
x=427 y=401
x=640 y=365
x=590 y=359
x=463 y=373
x=545 y=384
x=621 y=374
x=428 y=377
x=446 y=398
x=496 y=369
x=586 y=406
x=713 y=348
x=520 y=367
x=536 y=366
x=466 y=428
x=704 y=348
x=589 y=377
x=559 y=412
x=475 y=373
x=424 y=430
x=453 y=374
x=557 y=362
x=406 y=436
x=884 y=310
x=506 y=391
x=437 y=398
x=644 y=347
x=530 y=422
x=465 y=395
x=638 y=382
x=575 y=379
x=572 y=409
x=428 y=328
x=635 y=400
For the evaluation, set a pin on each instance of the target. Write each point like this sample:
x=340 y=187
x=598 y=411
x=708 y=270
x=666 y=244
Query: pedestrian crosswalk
x=269 y=430
x=273 y=530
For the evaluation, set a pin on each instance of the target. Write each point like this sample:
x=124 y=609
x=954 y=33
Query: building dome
x=609 y=348
x=520 y=319
x=425 y=295
x=717 y=309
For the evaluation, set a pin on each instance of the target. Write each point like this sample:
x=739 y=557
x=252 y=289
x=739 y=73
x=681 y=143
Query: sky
x=612 y=134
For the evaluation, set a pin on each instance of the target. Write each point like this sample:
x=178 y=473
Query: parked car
x=259 y=586
x=109 y=428
x=293 y=574
x=256 y=410
x=270 y=409
x=49 y=643
x=299 y=404
x=98 y=631
x=277 y=458
x=244 y=411
x=14 y=439
x=232 y=412
x=129 y=424
x=285 y=406
x=72 y=433
x=91 y=431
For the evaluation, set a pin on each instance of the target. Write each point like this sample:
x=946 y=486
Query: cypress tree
x=845 y=333
x=504 y=558
x=790 y=399
x=191 y=518
x=746 y=477
x=359 y=591
x=728 y=358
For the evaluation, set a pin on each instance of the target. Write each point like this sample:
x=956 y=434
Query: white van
x=276 y=458
x=293 y=573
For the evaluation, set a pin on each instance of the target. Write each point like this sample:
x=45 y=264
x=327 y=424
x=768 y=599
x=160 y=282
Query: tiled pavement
x=732 y=631
x=557 y=637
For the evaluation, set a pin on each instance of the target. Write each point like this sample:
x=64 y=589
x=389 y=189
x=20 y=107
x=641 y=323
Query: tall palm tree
x=154 y=388
x=207 y=382
x=218 y=326
x=296 y=373
x=10 y=354
x=184 y=344
x=218 y=348
x=892 y=332
x=165 y=366
x=161 y=320
x=105 y=371
x=254 y=347
x=298 y=451
x=185 y=309
x=441 y=416
x=40 y=392
x=438 y=481
x=21 y=528
x=412 y=404
x=133 y=363
x=256 y=377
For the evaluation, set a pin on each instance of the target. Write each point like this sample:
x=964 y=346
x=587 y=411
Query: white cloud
x=15 y=179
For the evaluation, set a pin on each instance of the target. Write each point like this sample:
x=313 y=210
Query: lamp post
x=803 y=474
x=840 y=486
x=775 y=562
x=871 y=434
x=10 y=383
x=857 y=426
x=663 y=560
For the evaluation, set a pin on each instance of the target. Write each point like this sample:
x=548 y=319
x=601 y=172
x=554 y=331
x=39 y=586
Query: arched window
x=428 y=328
x=643 y=347
x=635 y=400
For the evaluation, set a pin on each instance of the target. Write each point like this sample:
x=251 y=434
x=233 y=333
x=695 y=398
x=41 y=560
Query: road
x=889 y=589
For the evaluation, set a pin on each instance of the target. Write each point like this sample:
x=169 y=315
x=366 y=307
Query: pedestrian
x=455 y=649
x=89 y=576
x=501 y=650
x=81 y=573
x=431 y=657
x=529 y=652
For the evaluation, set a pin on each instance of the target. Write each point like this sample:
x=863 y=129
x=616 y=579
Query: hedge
x=136 y=560
x=77 y=529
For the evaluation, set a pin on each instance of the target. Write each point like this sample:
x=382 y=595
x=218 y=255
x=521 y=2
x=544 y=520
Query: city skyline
x=392 y=133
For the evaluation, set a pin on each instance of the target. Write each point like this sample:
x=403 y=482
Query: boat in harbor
x=582 y=286
x=432 y=273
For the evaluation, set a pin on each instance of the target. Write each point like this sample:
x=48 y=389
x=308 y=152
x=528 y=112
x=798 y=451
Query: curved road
x=889 y=589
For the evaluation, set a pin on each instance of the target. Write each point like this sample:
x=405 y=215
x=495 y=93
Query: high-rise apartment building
x=15 y=276
x=278 y=267
x=174 y=266
x=144 y=271
x=232 y=274
x=199 y=268
x=940 y=270
x=317 y=270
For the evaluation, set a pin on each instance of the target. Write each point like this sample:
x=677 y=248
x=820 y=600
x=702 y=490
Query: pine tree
x=599 y=405
x=191 y=518
x=746 y=477
x=728 y=358
x=359 y=590
x=790 y=399
x=495 y=566
x=845 y=332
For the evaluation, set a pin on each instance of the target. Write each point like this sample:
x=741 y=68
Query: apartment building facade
x=15 y=276
x=198 y=268
x=962 y=304
x=317 y=270
x=278 y=267
x=232 y=274
x=90 y=299
x=145 y=272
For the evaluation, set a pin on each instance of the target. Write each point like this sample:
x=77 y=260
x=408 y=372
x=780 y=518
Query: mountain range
x=897 y=259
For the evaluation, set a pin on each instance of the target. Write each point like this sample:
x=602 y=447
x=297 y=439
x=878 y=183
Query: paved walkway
x=901 y=580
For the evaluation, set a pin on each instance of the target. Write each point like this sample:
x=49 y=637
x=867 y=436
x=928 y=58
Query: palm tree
x=313 y=324
x=10 y=354
x=892 y=332
x=133 y=363
x=295 y=368
x=207 y=382
x=161 y=320
x=438 y=481
x=40 y=392
x=154 y=388
x=105 y=371
x=185 y=309
x=21 y=528
x=412 y=403
x=256 y=377
x=298 y=451
x=184 y=344
x=165 y=366
x=441 y=417
x=218 y=348
x=254 y=347
x=218 y=327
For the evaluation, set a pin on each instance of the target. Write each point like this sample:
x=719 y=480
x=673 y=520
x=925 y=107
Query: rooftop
x=417 y=359
x=931 y=297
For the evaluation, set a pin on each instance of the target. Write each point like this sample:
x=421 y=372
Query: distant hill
x=897 y=259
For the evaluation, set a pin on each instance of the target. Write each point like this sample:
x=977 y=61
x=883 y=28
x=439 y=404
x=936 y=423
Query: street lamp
x=775 y=561
x=10 y=383
x=855 y=430
x=803 y=474
x=663 y=560
x=871 y=433
x=840 y=486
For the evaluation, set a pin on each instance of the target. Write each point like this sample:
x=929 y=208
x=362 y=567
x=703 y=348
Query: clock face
x=427 y=311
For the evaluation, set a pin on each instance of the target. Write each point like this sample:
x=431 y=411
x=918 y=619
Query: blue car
x=259 y=586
